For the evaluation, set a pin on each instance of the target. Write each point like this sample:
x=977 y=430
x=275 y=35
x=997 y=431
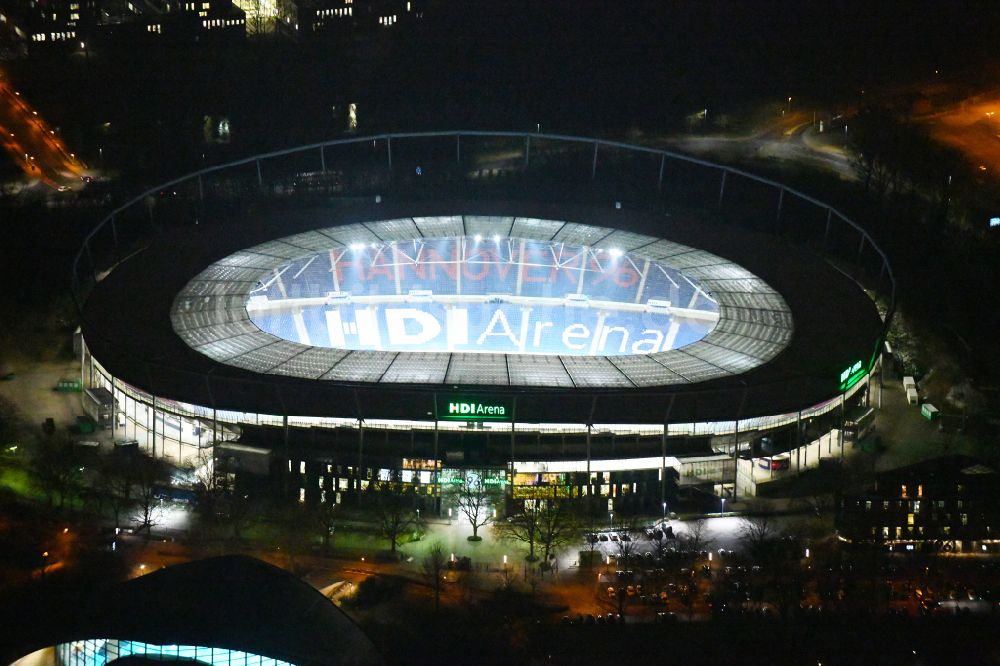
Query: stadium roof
x=127 y=324
x=232 y=602
x=210 y=314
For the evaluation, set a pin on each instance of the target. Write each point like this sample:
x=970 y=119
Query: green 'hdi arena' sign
x=851 y=376
x=463 y=409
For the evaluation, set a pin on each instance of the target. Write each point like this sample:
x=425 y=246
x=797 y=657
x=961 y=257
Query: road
x=792 y=138
x=33 y=145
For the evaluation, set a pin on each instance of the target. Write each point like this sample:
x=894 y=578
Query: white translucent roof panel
x=234 y=273
x=755 y=347
x=248 y=259
x=361 y=367
x=692 y=369
x=754 y=285
x=537 y=371
x=582 y=234
x=196 y=336
x=690 y=259
x=189 y=320
x=488 y=226
x=533 y=228
x=228 y=348
x=747 y=300
x=314 y=241
x=748 y=314
x=726 y=271
x=478 y=369
x=313 y=363
x=445 y=226
x=662 y=248
x=626 y=240
x=645 y=371
x=594 y=371
x=766 y=332
x=727 y=359
x=390 y=230
x=265 y=359
x=278 y=248
x=197 y=288
x=417 y=368
x=351 y=233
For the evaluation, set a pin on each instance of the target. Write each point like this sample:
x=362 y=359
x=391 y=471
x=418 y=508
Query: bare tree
x=475 y=499
x=324 y=518
x=695 y=538
x=203 y=468
x=627 y=531
x=533 y=578
x=433 y=566
x=395 y=515
x=115 y=481
x=293 y=532
x=591 y=517
x=236 y=509
x=57 y=467
x=660 y=544
x=758 y=533
x=523 y=526
x=10 y=419
x=556 y=528
x=149 y=475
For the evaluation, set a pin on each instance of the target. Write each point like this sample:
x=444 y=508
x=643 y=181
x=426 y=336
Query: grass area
x=17 y=479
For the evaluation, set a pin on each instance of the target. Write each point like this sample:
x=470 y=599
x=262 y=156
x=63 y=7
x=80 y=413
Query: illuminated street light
x=723 y=505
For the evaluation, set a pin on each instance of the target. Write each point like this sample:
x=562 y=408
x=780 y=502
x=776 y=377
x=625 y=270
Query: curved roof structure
x=741 y=323
x=233 y=602
x=130 y=324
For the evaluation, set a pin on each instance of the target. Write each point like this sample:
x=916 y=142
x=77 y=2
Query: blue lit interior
x=469 y=294
x=100 y=651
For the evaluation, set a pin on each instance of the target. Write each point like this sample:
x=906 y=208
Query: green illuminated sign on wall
x=851 y=376
x=475 y=410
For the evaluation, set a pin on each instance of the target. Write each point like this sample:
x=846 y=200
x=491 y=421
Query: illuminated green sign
x=851 y=376
x=457 y=481
x=475 y=410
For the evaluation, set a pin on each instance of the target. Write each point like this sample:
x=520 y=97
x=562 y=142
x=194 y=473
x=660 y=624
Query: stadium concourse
x=381 y=325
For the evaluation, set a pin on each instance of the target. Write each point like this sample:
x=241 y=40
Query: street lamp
x=664 y=513
x=611 y=518
x=723 y=505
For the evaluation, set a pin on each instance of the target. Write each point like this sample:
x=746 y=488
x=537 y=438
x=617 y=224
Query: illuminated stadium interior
x=485 y=301
x=470 y=294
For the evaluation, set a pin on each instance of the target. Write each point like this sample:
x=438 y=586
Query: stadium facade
x=564 y=330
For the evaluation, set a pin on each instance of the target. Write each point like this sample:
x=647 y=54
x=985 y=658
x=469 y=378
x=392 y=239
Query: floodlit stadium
x=514 y=304
x=570 y=329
